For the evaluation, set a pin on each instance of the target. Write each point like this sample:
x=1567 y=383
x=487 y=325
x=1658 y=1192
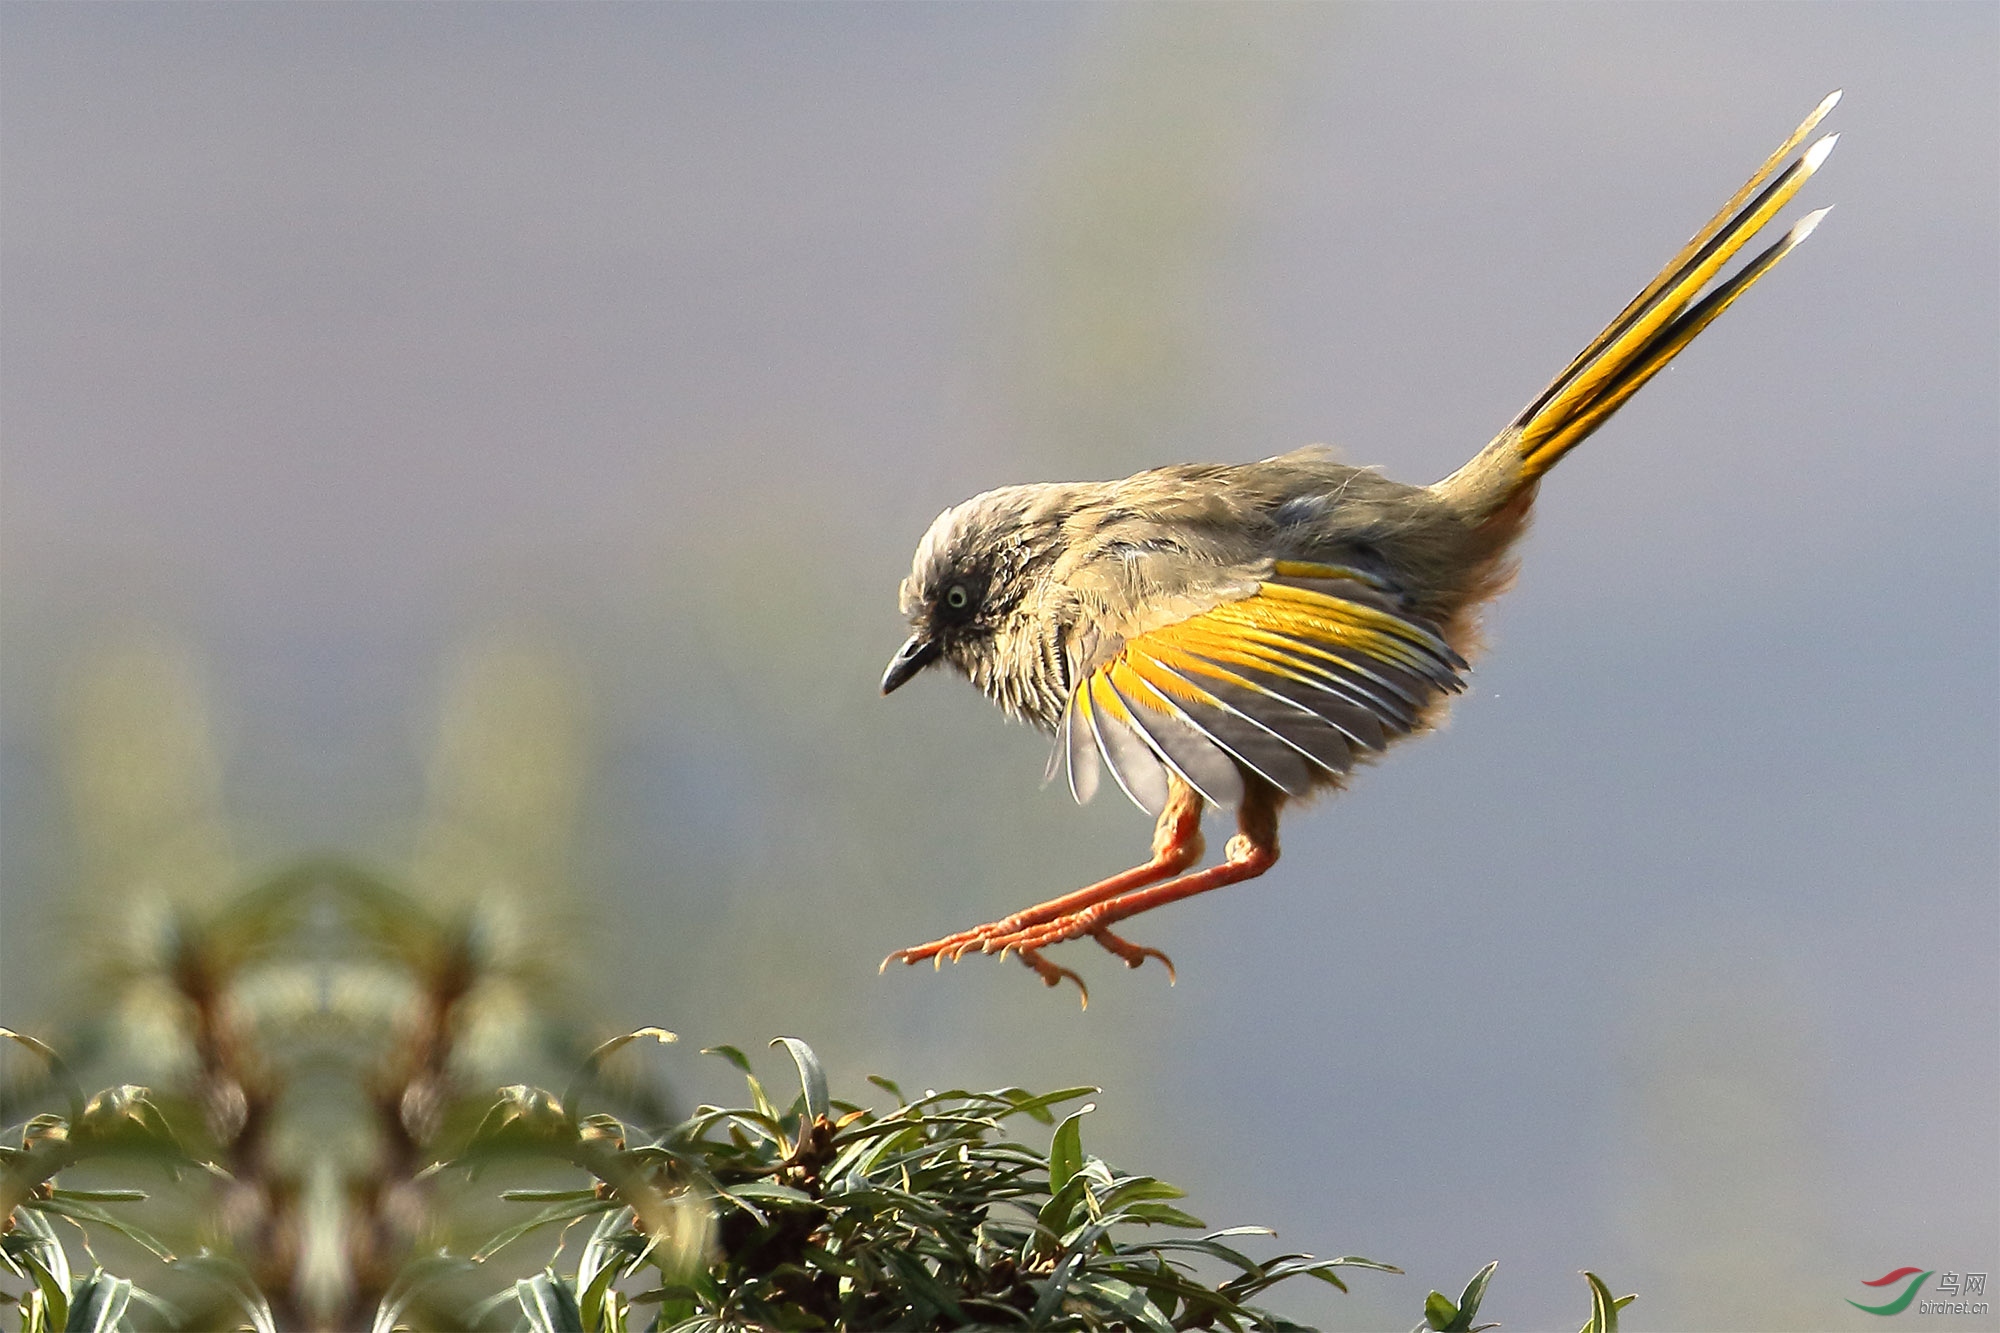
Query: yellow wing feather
x=1285 y=685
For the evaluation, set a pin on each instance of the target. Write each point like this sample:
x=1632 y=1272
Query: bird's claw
x=1134 y=955
x=1051 y=974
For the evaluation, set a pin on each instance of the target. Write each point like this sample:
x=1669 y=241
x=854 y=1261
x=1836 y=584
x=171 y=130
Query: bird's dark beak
x=911 y=658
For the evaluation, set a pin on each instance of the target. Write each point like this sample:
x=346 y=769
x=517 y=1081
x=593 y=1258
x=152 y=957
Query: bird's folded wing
x=1313 y=665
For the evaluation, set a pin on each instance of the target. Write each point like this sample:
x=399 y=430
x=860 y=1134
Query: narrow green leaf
x=1160 y=1215
x=1124 y=1298
x=922 y=1286
x=757 y=1214
x=555 y=1212
x=549 y=1304
x=596 y=1303
x=1210 y=1246
x=731 y=1054
x=55 y=1294
x=1037 y=1107
x=1052 y=1291
x=1056 y=1216
x=169 y=1314
x=599 y=1265
x=98 y=1303
x=1604 y=1307
x=86 y=1212
x=416 y=1274
x=1134 y=1188
x=1356 y=1261
x=1075 y=1255
x=771 y=1192
x=236 y=1280
x=548 y=1196
x=1475 y=1292
x=59 y=1071
x=1172 y=1285
x=812 y=1077
x=602 y=1052
x=1066 y=1149
x=818 y=1259
x=762 y=1102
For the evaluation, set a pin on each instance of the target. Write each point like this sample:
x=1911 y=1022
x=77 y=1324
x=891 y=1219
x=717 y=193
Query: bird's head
x=973 y=578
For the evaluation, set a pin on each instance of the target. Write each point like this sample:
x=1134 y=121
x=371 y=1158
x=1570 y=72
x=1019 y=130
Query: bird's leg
x=1177 y=844
x=1251 y=852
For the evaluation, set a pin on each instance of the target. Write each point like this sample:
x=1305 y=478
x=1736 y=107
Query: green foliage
x=822 y=1214
x=1604 y=1307
x=1444 y=1315
x=829 y=1215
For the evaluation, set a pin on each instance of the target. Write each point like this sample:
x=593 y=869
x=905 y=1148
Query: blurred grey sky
x=336 y=338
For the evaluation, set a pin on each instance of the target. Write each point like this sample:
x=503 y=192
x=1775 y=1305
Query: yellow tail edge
x=1655 y=326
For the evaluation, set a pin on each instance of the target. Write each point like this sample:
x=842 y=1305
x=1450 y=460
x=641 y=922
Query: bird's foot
x=955 y=947
x=1070 y=926
x=1030 y=940
x=999 y=937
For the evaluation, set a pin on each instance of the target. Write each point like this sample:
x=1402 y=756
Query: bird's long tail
x=1648 y=333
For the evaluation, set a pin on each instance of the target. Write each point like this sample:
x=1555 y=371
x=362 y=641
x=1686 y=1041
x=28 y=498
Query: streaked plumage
x=1244 y=635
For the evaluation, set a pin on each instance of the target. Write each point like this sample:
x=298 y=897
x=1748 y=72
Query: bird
x=1243 y=636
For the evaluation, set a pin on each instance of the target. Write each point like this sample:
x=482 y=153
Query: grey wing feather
x=1077 y=746
x=1183 y=748
x=1133 y=765
x=1271 y=734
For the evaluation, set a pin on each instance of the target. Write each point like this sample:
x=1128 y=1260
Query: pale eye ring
x=956 y=597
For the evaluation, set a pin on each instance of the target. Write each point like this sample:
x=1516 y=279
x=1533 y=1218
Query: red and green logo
x=1902 y=1302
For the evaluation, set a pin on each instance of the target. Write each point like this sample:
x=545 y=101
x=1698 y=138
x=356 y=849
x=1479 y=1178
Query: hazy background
x=379 y=381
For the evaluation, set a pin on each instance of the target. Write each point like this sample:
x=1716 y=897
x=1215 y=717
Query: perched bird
x=1242 y=636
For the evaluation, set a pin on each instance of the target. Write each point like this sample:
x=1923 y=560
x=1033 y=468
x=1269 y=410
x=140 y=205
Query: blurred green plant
x=317 y=1027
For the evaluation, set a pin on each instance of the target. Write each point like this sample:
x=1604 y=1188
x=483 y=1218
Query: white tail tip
x=1818 y=153
x=1804 y=226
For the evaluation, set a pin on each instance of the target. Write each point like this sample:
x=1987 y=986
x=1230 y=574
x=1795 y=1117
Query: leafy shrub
x=830 y=1215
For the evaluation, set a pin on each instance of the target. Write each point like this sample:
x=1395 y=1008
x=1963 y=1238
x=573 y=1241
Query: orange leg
x=1177 y=844
x=1251 y=852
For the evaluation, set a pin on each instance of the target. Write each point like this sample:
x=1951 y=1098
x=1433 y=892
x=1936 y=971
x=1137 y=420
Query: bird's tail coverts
x=1660 y=321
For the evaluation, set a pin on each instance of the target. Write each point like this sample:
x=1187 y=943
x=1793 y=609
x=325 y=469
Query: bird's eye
x=956 y=597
